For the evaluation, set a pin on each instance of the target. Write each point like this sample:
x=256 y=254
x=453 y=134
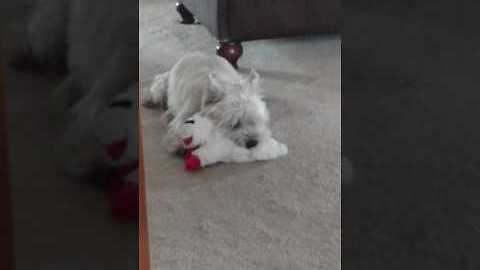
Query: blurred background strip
x=5 y=214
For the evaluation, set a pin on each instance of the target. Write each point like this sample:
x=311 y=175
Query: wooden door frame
x=144 y=251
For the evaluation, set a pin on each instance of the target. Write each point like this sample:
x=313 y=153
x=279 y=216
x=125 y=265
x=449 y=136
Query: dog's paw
x=157 y=93
x=148 y=99
x=270 y=149
x=282 y=149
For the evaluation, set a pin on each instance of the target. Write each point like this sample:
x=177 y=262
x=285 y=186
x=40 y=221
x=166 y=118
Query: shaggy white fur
x=209 y=85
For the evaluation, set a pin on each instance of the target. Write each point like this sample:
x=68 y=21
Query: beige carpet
x=282 y=214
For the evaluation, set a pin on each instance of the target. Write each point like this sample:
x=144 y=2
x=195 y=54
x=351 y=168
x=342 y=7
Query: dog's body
x=209 y=85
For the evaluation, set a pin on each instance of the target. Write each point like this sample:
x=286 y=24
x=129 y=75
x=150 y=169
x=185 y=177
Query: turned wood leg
x=187 y=16
x=232 y=51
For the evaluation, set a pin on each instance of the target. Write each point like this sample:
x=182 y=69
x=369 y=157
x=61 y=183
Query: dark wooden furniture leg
x=230 y=50
x=187 y=16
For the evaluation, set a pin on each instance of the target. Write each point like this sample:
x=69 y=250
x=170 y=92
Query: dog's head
x=238 y=110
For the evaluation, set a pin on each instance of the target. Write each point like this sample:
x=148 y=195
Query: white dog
x=209 y=85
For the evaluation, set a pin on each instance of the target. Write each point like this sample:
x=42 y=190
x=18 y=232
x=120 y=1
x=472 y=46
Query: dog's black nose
x=251 y=144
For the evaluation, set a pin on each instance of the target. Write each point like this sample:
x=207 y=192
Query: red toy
x=123 y=185
x=116 y=134
x=192 y=162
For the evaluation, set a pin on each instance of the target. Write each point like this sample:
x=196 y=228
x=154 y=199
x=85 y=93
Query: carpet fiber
x=281 y=214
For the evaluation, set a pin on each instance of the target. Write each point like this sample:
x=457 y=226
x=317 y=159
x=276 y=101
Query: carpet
x=281 y=214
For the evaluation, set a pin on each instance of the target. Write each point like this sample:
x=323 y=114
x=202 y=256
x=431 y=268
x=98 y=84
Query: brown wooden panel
x=143 y=237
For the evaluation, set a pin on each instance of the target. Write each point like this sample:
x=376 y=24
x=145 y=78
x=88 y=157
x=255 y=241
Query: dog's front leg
x=238 y=155
x=157 y=93
x=208 y=154
x=211 y=153
x=269 y=149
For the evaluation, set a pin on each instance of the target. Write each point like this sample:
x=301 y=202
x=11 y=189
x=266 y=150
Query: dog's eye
x=237 y=125
x=190 y=122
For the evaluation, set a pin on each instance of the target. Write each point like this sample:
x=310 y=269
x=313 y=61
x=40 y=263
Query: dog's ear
x=253 y=78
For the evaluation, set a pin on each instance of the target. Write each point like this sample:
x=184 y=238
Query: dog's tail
x=156 y=95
